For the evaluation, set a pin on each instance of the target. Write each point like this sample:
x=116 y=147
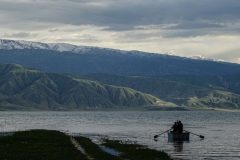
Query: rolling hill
x=26 y=89
x=188 y=91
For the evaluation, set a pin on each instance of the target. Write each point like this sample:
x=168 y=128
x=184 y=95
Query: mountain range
x=70 y=77
x=186 y=91
x=66 y=58
x=27 y=89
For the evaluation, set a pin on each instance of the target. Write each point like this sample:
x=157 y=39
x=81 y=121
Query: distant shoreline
x=130 y=110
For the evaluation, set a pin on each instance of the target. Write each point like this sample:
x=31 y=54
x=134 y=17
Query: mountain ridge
x=23 y=89
x=29 y=89
x=9 y=44
x=108 y=61
x=187 y=91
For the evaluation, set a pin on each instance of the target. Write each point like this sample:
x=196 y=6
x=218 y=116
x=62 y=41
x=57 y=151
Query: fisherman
x=180 y=127
x=177 y=127
x=174 y=127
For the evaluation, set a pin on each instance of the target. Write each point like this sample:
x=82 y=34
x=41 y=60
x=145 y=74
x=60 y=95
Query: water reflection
x=178 y=146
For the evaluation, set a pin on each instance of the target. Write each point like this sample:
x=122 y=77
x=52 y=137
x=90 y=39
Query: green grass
x=94 y=150
x=38 y=145
x=135 y=151
x=54 y=145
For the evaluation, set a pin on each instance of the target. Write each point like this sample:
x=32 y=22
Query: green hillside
x=229 y=83
x=189 y=91
x=26 y=89
x=216 y=99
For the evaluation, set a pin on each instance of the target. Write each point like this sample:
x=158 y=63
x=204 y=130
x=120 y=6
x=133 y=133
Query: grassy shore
x=54 y=145
x=136 y=151
x=38 y=145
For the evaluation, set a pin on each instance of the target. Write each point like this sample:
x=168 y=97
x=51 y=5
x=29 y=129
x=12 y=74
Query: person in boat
x=174 y=127
x=180 y=125
x=177 y=127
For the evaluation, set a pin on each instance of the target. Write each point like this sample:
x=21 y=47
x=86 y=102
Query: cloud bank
x=182 y=27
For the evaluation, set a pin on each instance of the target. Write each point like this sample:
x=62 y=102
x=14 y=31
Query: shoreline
x=56 y=145
x=182 y=109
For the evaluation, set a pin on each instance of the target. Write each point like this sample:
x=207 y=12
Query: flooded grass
x=94 y=150
x=135 y=151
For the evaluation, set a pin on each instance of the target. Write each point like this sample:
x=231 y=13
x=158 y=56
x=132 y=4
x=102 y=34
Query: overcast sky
x=209 y=28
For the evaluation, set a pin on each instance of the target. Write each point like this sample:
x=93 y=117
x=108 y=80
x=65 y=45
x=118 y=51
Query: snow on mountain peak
x=20 y=44
x=200 y=57
x=64 y=47
x=11 y=44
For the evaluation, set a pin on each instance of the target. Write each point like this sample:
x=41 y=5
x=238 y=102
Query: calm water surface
x=221 y=129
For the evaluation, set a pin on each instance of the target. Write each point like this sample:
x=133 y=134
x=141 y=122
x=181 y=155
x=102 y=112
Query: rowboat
x=173 y=137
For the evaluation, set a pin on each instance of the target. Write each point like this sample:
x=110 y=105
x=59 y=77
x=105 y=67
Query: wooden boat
x=173 y=137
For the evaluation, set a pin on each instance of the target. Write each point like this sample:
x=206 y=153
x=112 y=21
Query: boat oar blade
x=201 y=136
x=156 y=136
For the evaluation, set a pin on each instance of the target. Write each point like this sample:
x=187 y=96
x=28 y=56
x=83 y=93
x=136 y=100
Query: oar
x=156 y=136
x=201 y=136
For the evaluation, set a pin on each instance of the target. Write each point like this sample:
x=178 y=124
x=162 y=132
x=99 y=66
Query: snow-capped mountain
x=67 y=58
x=64 y=47
x=61 y=47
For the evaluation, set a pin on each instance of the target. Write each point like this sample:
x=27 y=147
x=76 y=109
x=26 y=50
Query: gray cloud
x=124 y=14
x=20 y=35
x=231 y=55
x=200 y=31
x=184 y=26
x=196 y=25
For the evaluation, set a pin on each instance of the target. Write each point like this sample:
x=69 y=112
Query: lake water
x=221 y=129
